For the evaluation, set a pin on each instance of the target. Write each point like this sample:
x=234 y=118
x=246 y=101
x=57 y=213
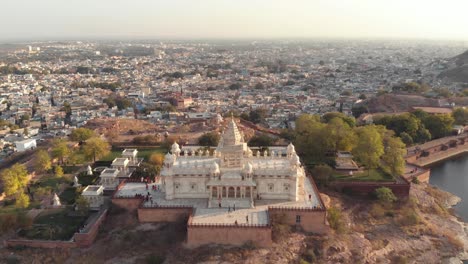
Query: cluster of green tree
x=146 y=140
x=418 y=126
x=120 y=102
x=150 y=168
x=84 y=70
x=104 y=85
x=235 y=86
x=92 y=147
x=256 y=116
x=5 y=123
x=460 y=116
x=175 y=75
x=411 y=87
x=13 y=70
x=210 y=139
x=261 y=140
x=14 y=180
x=372 y=146
x=358 y=110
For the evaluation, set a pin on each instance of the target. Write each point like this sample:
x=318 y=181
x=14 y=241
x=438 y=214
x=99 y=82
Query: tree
x=261 y=141
x=385 y=196
x=209 y=139
x=14 y=179
x=42 y=162
x=22 y=200
x=439 y=125
x=259 y=86
x=340 y=135
x=235 y=86
x=460 y=115
x=322 y=173
x=362 y=97
x=359 y=110
x=393 y=157
x=369 y=146
x=58 y=170
x=335 y=219
x=82 y=205
x=156 y=159
x=311 y=138
x=82 y=134
x=60 y=150
x=326 y=118
x=95 y=148
x=406 y=138
x=258 y=115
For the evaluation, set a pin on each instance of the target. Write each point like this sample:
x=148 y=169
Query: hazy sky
x=58 y=19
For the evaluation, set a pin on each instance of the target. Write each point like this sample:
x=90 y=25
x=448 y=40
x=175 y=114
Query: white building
x=25 y=145
x=109 y=178
x=232 y=172
x=94 y=195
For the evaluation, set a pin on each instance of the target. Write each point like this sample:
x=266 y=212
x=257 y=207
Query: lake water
x=452 y=176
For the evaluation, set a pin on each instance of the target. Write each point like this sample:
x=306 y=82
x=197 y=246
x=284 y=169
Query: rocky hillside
x=458 y=72
x=395 y=103
x=420 y=230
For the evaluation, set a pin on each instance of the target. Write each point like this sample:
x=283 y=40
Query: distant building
x=24 y=145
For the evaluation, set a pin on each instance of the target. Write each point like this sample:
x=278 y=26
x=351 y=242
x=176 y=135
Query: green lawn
x=142 y=153
x=48 y=184
x=55 y=226
x=372 y=175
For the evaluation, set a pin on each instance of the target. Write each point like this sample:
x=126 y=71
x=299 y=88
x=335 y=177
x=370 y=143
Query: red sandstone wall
x=311 y=221
x=197 y=236
x=130 y=204
x=40 y=243
x=87 y=239
x=163 y=214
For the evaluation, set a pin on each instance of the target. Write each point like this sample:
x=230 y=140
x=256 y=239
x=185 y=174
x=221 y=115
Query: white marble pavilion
x=232 y=173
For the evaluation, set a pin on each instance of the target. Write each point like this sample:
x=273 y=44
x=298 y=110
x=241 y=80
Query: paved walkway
x=255 y=216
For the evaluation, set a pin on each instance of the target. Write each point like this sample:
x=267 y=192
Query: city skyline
x=256 y=19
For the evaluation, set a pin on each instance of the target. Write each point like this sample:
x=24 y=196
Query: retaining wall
x=313 y=221
x=163 y=214
x=401 y=190
x=228 y=235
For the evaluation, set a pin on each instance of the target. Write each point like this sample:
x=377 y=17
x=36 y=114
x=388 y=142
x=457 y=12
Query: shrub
x=309 y=255
x=409 y=217
x=385 y=195
x=335 y=219
x=22 y=200
x=377 y=211
x=415 y=180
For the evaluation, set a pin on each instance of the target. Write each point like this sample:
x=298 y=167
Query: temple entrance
x=224 y=192
x=215 y=192
x=238 y=192
x=231 y=192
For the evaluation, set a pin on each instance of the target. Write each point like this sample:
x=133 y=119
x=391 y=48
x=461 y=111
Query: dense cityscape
x=233 y=132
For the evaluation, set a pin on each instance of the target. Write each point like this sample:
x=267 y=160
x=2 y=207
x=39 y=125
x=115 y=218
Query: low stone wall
x=87 y=238
x=40 y=243
x=401 y=190
x=228 y=234
x=163 y=214
x=84 y=239
x=311 y=220
x=127 y=203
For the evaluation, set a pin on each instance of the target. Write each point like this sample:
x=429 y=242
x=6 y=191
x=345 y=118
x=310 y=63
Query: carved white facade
x=232 y=172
